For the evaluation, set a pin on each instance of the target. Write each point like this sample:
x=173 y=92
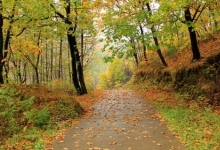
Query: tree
x=194 y=45
x=153 y=30
x=77 y=74
x=131 y=20
x=1 y=45
x=4 y=43
x=188 y=13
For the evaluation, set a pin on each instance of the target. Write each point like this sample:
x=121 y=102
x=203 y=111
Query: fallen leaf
x=113 y=143
x=89 y=143
x=61 y=141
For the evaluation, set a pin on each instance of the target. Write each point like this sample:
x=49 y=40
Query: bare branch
x=197 y=10
x=58 y=13
x=21 y=32
x=203 y=8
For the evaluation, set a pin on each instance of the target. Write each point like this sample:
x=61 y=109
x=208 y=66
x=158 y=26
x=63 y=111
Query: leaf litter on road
x=124 y=121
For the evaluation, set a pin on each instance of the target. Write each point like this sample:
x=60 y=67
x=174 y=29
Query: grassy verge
x=32 y=116
x=197 y=127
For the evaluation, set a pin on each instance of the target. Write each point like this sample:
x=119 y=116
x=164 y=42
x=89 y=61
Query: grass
x=197 y=128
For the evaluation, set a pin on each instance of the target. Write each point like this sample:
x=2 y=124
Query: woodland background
x=54 y=52
x=43 y=41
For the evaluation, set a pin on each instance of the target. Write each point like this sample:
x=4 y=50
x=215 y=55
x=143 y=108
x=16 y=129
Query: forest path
x=122 y=120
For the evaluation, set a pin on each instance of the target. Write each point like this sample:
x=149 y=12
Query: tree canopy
x=44 y=40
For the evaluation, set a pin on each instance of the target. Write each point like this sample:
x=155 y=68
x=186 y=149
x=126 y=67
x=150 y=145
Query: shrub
x=39 y=118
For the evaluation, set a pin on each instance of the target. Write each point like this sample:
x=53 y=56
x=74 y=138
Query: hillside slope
x=199 y=80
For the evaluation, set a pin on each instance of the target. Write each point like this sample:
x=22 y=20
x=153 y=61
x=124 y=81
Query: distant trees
x=118 y=73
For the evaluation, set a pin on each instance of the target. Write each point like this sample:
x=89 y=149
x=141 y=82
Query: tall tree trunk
x=77 y=75
x=51 y=61
x=38 y=59
x=142 y=40
x=135 y=53
x=69 y=67
x=72 y=46
x=1 y=45
x=4 y=46
x=80 y=66
x=153 y=30
x=46 y=61
x=60 y=71
x=192 y=33
x=36 y=75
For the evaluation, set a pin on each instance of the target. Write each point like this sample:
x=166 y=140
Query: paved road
x=122 y=120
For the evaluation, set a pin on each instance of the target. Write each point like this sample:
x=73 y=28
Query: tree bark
x=135 y=53
x=153 y=30
x=1 y=45
x=192 y=33
x=51 y=60
x=80 y=66
x=4 y=46
x=60 y=71
x=46 y=61
x=144 y=46
x=77 y=75
x=72 y=46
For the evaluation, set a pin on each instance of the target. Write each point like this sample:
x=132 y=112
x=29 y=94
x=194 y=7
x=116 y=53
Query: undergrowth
x=30 y=117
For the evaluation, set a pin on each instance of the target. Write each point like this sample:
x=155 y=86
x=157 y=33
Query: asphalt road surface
x=122 y=120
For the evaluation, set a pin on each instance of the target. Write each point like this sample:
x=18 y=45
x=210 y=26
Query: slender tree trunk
x=135 y=53
x=153 y=30
x=82 y=49
x=69 y=67
x=46 y=61
x=1 y=45
x=36 y=74
x=192 y=33
x=60 y=71
x=80 y=66
x=136 y=59
x=159 y=52
x=42 y=68
x=144 y=46
x=51 y=61
x=38 y=59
